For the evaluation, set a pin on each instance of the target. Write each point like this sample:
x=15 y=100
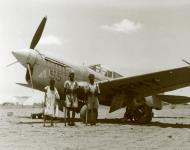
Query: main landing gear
x=140 y=114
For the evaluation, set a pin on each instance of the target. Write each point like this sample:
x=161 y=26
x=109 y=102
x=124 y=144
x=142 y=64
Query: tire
x=33 y=116
x=129 y=114
x=143 y=114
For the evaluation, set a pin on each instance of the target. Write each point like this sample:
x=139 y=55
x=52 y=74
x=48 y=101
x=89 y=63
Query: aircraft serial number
x=55 y=74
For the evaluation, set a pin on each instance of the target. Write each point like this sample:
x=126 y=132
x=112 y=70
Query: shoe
x=72 y=124
x=92 y=123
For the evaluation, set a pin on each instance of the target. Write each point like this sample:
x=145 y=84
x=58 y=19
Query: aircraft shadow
x=171 y=117
x=163 y=125
x=156 y=123
x=120 y=121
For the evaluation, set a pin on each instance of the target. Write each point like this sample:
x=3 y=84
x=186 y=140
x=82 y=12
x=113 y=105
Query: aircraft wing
x=146 y=84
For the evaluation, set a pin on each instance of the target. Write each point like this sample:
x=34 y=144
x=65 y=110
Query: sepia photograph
x=95 y=75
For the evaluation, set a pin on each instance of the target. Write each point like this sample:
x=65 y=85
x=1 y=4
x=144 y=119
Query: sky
x=132 y=37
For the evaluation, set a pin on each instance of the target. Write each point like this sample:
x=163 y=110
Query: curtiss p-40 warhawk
x=138 y=94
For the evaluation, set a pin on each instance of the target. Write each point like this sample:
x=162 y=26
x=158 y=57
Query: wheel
x=40 y=115
x=143 y=114
x=129 y=114
x=33 y=116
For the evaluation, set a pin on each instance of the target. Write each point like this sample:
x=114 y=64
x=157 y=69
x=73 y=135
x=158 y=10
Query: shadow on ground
x=119 y=121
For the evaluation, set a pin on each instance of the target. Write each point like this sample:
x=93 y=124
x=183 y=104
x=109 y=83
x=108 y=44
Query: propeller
x=8 y=65
x=34 y=42
x=11 y=64
x=38 y=33
x=185 y=61
x=30 y=74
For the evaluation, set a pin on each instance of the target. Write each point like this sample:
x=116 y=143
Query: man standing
x=71 y=101
x=51 y=94
x=93 y=92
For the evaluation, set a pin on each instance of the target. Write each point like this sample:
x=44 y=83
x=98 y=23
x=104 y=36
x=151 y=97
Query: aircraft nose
x=21 y=56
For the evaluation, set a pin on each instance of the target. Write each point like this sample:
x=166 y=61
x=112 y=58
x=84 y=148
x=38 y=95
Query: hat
x=91 y=76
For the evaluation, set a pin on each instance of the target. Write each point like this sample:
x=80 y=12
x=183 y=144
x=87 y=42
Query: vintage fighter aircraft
x=139 y=94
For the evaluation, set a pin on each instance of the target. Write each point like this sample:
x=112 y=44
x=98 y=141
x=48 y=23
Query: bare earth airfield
x=169 y=129
x=139 y=37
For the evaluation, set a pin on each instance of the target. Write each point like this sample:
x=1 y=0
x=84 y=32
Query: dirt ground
x=169 y=130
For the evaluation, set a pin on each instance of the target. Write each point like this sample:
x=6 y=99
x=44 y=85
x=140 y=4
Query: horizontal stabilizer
x=174 y=99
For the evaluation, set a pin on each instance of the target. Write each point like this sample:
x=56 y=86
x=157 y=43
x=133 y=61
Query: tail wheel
x=83 y=114
x=143 y=114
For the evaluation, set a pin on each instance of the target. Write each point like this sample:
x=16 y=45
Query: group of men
x=71 y=101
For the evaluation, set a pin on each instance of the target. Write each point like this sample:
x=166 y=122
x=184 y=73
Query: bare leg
x=44 y=120
x=91 y=116
x=95 y=113
x=54 y=114
x=68 y=116
x=65 y=115
x=73 y=116
x=51 y=121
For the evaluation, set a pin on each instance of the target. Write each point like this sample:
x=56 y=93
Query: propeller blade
x=11 y=64
x=30 y=73
x=24 y=84
x=185 y=61
x=38 y=33
x=8 y=65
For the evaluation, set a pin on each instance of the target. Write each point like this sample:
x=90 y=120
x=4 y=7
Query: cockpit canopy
x=105 y=71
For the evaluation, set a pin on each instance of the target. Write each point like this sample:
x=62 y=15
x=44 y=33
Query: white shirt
x=51 y=96
x=93 y=87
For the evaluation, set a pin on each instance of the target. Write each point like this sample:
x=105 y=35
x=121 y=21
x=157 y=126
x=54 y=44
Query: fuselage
x=44 y=68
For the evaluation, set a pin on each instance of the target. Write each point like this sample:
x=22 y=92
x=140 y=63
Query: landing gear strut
x=140 y=114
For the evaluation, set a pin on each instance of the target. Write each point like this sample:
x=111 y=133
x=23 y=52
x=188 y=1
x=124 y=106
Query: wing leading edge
x=147 y=84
